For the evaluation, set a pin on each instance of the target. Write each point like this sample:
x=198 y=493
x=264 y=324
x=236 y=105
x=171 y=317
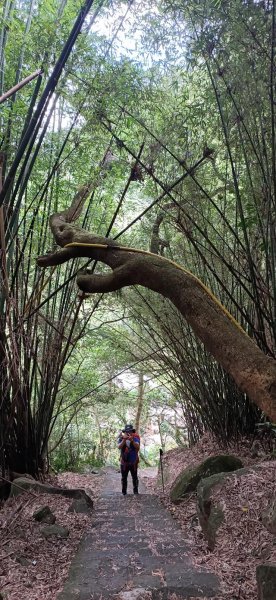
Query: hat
x=128 y=428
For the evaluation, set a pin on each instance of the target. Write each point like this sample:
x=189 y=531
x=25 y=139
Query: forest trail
x=134 y=551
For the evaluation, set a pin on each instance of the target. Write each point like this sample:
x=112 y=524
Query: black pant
x=125 y=468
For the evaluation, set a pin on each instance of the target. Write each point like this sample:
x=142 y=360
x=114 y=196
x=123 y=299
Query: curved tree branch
x=252 y=370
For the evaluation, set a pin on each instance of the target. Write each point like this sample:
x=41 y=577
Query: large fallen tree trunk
x=253 y=371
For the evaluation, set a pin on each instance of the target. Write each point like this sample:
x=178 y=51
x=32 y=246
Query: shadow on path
x=134 y=551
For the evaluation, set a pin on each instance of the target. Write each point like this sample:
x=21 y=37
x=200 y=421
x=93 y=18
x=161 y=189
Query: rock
x=268 y=517
x=210 y=515
x=14 y=475
x=89 y=470
x=79 y=505
x=20 y=533
x=188 y=480
x=44 y=515
x=22 y=484
x=135 y=594
x=56 y=530
x=266 y=581
x=22 y=560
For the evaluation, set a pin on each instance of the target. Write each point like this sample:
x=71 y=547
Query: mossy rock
x=269 y=517
x=266 y=581
x=21 y=485
x=44 y=515
x=210 y=515
x=55 y=530
x=188 y=480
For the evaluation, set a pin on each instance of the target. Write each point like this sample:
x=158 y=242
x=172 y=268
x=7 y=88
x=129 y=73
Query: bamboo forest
x=137 y=299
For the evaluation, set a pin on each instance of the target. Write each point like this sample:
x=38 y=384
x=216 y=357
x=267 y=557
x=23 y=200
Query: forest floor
x=33 y=568
x=242 y=542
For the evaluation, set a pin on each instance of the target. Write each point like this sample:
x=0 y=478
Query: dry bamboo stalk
x=19 y=85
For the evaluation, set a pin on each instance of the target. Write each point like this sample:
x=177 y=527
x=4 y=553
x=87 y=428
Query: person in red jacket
x=129 y=445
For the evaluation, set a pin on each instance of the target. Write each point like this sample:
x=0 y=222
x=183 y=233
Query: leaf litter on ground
x=242 y=541
x=32 y=568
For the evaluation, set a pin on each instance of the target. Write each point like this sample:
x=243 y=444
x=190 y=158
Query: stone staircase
x=134 y=551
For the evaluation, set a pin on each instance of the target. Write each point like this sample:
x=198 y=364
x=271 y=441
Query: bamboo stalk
x=20 y=85
x=2 y=240
x=32 y=130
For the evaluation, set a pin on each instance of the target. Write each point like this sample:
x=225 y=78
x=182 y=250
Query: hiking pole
x=161 y=465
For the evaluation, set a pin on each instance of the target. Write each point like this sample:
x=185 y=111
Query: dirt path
x=134 y=551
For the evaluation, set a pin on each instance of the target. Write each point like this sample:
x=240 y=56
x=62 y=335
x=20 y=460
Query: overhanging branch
x=253 y=372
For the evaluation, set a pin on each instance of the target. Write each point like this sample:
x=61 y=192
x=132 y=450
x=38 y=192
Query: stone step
x=134 y=551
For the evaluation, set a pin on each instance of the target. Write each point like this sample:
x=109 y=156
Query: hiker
x=129 y=444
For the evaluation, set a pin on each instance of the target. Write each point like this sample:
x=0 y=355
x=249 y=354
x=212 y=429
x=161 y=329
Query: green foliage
x=201 y=77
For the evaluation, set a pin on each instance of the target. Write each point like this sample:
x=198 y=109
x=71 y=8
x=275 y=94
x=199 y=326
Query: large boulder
x=266 y=581
x=210 y=512
x=22 y=484
x=188 y=480
x=210 y=515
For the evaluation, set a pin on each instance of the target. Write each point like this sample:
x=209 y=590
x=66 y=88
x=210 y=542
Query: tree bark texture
x=253 y=371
